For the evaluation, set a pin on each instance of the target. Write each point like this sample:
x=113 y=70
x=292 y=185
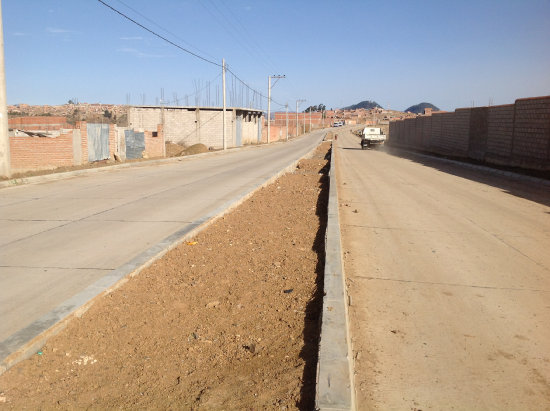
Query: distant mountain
x=419 y=108
x=364 y=104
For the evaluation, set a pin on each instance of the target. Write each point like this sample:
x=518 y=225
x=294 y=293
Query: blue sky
x=398 y=53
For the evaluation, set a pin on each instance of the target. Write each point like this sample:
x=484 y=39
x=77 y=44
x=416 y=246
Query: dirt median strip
x=227 y=320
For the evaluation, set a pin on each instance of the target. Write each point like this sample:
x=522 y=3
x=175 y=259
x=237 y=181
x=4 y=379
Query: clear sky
x=398 y=53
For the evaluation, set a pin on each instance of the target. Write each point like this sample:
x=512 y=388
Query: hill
x=364 y=104
x=419 y=108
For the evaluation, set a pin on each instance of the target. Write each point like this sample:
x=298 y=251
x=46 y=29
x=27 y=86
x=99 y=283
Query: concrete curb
x=335 y=390
x=70 y=174
x=487 y=169
x=27 y=341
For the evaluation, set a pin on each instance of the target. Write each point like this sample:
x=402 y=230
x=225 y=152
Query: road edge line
x=335 y=387
x=24 y=343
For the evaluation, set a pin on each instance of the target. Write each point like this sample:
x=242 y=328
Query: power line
x=158 y=35
x=248 y=36
x=184 y=49
x=246 y=85
x=163 y=29
x=226 y=23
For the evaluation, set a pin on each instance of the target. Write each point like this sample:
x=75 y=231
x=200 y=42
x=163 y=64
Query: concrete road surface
x=58 y=238
x=449 y=275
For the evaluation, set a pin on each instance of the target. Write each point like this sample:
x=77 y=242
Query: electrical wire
x=159 y=36
x=246 y=34
x=163 y=29
x=186 y=50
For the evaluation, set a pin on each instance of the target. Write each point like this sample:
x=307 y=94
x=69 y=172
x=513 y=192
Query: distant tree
x=107 y=114
x=71 y=101
x=320 y=107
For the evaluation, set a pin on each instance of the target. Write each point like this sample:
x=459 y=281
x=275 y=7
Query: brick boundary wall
x=70 y=148
x=154 y=145
x=39 y=123
x=41 y=153
x=516 y=135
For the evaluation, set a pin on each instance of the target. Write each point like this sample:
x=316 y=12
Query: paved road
x=449 y=273
x=58 y=238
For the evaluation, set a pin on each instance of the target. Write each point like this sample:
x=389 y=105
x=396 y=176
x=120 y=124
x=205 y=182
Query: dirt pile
x=228 y=320
x=173 y=149
x=195 y=149
x=176 y=150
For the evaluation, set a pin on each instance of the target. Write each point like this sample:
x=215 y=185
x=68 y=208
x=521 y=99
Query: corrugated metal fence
x=98 y=141
x=135 y=144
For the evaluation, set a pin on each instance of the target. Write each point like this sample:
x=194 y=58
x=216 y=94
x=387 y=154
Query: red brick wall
x=514 y=135
x=426 y=132
x=154 y=146
x=40 y=153
x=500 y=125
x=39 y=123
x=84 y=138
x=276 y=133
x=112 y=140
x=531 y=131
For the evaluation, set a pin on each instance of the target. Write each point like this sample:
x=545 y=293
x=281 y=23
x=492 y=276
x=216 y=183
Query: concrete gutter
x=27 y=341
x=335 y=390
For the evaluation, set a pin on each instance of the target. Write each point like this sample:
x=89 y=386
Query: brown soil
x=228 y=320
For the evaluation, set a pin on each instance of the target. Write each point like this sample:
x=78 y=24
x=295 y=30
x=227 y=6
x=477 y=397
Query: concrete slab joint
x=335 y=390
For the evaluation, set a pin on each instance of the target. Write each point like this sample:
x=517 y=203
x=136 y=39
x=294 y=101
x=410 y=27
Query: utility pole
x=298 y=102
x=286 y=106
x=310 y=119
x=277 y=77
x=5 y=166
x=268 y=107
x=223 y=112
